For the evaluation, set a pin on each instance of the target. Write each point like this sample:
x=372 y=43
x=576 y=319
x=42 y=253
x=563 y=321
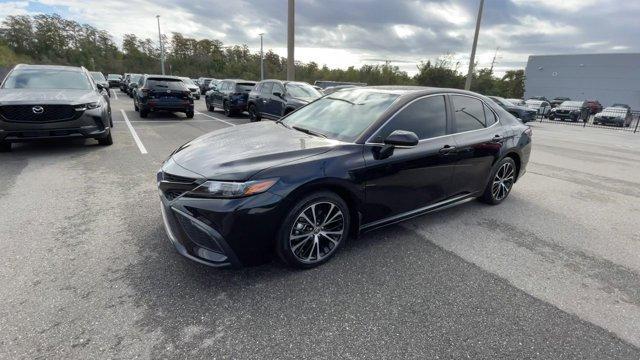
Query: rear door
x=478 y=139
x=276 y=101
x=218 y=93
x=265 y=96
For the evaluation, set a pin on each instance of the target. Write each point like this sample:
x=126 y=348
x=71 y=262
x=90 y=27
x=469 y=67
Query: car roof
x=49 y=67
x=239 y=80
x=417 y=90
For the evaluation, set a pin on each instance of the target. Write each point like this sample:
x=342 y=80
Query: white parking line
x=215 y=118
x=114 y=94
x=143 y=150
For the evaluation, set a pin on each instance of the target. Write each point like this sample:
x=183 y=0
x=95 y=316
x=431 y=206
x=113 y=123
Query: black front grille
x=197 y=235
x=38 y=113
x=177 y=179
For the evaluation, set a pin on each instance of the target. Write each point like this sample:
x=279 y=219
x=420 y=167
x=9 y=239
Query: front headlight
x=88 y=106
x=229 y=190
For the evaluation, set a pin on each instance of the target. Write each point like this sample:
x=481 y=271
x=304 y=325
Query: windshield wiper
x=347 y=101
x=310 y=132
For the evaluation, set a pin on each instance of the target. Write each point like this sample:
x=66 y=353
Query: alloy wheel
x=503 y=181
x=317 y=232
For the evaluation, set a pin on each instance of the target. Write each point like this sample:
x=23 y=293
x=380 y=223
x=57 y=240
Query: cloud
x=342 y=33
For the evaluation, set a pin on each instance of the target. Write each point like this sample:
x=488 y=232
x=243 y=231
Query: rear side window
x=244 y=87
x=278 y=88
x=468 y=112
x=426 y=117
x=266 y=88
x=489 y=116
x=165 y=84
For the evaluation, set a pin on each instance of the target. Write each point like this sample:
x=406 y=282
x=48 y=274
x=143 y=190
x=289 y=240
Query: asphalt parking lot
x=88 y=272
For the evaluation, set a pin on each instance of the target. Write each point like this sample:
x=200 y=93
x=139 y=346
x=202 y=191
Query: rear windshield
x=47 y=79
x=134 y=78
x=114 y=77
x=187 y=81
x=167 y=84
x=244 y=87
x=572 y=103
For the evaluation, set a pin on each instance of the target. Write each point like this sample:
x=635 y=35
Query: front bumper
x=168 y=105
x=609 y=121
x=91 y=124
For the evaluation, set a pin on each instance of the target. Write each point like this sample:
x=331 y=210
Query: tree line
x=51 y=39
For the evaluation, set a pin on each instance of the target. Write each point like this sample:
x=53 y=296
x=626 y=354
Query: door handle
x=446 y=149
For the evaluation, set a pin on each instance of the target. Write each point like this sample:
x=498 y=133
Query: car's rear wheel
x=227 y=109
x=253 y=113
x=314 y=230
x=144 y=112
x=135 y=105
x=502 y=179
x=210 y=107
x=189 y=114
x=5 y=146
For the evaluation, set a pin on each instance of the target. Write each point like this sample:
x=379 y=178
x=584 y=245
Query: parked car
x=114 y=80
x=618 y=116
x=203 y=82
x=344 y=164
x=132 y=84
x=622 y=106
x=195 y=89
x=571 y=110
x=124 y=82
x=99 y=78
x=594 y=106
x=558 y=100
x=523 y=113
x=542 y=107
x=162 y=93
x=541 y=98
x=518 y=102
x=52 y=102
x=231 y=95
x=327 y=84
x=274 y=98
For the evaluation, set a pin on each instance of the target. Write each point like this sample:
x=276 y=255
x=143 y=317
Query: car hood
x=237 y=153
x=31 y=96
x=613 y=113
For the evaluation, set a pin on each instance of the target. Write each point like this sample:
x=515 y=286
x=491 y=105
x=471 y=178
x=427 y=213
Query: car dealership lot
x=88 y=271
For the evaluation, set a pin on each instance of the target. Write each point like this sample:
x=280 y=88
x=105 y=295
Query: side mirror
x=402 y=138
x=100 y=86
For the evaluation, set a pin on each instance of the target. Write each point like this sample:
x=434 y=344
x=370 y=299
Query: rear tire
x=227 y=110
x=189 y=114
x=304 y=245
x=107 y=140
x=503 y=176
x=5 y=146
x=144 y=112
x=210 y=107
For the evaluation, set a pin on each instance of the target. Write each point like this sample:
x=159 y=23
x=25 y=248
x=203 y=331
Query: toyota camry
x=347 y=163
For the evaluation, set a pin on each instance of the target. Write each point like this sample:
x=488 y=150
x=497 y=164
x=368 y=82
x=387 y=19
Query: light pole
x=161 y=46
x=291 y=70
x=467 y=84
x=261 y=58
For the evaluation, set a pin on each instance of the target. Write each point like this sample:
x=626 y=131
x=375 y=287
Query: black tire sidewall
x=487 y=196
x=283 y=248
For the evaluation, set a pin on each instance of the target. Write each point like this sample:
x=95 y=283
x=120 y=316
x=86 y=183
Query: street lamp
x=291 y=70
x=467 y=84
x=261 y=57
x=161 y=46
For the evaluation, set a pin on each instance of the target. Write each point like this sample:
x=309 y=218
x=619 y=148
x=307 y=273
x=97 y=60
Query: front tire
x=502 y=179
x=107 y=140
x=313 y=230
x=189 y=114
x=227 y=110
x=253 y=114
x=144 y=112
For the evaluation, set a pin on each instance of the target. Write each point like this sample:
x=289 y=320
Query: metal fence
x=620 y=119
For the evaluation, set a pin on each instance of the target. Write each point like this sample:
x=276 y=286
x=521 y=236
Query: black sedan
x=523 y=113
x=350 y=162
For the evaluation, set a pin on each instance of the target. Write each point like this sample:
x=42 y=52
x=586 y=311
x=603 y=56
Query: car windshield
x=114 y=77
x=97 y=76
x=165 y=84
x=187 y=81
x=134 y=78
x=572 y=103
x=47 y=79
x=343 y=115
x=614 y=111
x=533 y=102
x=500 y=101
x=301 y=90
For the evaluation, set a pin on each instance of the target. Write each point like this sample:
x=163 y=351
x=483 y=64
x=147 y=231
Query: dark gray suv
x=50 y=102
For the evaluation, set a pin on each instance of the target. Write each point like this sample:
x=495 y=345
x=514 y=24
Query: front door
x=415 y=177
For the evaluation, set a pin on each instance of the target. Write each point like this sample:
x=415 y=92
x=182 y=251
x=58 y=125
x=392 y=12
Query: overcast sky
x=341 y=33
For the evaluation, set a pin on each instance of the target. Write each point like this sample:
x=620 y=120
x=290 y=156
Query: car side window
x=278 y=88
x=258 y=87
x=468 y=113
x=266 y=88
x=490 y=116
x=426 y=117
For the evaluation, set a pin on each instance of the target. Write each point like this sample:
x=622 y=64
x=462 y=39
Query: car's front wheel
x=5 y=146
x=314 y=230
x=253 y=113
x=502 y=179
x=189 y=114
x=107 y=140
